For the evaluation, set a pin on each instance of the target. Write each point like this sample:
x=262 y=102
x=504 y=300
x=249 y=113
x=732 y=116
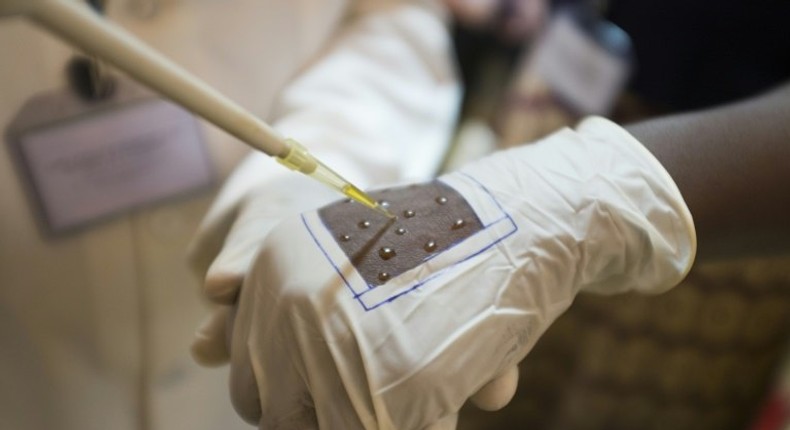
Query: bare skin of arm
x=732 y=165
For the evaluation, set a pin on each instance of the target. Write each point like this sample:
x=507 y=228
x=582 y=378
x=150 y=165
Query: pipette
x=77 y=24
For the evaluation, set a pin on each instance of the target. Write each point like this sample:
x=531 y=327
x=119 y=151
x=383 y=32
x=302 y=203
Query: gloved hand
x=349 y=321
x=393 y=127
x=251 y=203
x=255 y=198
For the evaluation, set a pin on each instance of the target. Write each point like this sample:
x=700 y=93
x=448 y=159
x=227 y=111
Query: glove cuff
x=684 y=248
x=593 y=207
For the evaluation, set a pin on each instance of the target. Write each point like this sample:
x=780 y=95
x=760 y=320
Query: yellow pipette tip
x=360 y=196
x=299 y=159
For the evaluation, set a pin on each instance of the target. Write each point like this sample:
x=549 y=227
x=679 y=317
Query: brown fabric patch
x=430 y=218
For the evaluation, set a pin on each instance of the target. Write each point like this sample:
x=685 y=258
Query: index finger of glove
x=243 y=384
x=210 y=345
x=227 y=271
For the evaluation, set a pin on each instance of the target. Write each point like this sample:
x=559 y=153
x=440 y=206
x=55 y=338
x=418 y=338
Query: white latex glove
x=255 y=198
x=314 y=347
x=377 y=104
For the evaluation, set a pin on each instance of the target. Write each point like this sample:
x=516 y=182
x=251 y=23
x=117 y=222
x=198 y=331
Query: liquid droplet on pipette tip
x=384 y=211
x=358 y=195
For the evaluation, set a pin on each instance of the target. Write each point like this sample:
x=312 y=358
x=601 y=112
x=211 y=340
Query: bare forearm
x=732 y=165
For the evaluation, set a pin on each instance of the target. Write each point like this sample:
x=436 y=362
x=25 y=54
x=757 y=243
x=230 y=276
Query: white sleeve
x=379 y=104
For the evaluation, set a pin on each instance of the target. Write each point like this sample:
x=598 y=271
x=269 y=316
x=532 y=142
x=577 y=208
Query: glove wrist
x=607 y=215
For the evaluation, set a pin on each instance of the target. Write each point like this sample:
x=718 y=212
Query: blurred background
x=711 y=353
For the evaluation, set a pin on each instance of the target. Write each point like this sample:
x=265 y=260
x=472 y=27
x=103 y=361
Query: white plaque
x=579 y=69
x=111 y=160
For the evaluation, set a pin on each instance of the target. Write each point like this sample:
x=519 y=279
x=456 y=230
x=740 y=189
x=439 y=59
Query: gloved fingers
x=288 y=404
x=227 y=272
x=449 y=422
x=210 y=236
x=244 y=392
x=243 y=385
x=498 y=392
x=210 y=345
x=208 y=242
x=301 y=417
x=259 y=212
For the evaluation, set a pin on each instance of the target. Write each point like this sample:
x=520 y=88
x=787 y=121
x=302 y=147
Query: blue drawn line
x=323 y=251
x=359 y=296
x=485 y=227
x=442 y=271
x=493 y=199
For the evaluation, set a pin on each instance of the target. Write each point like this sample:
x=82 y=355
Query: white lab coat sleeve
x=380 y=104
x=377 y=104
